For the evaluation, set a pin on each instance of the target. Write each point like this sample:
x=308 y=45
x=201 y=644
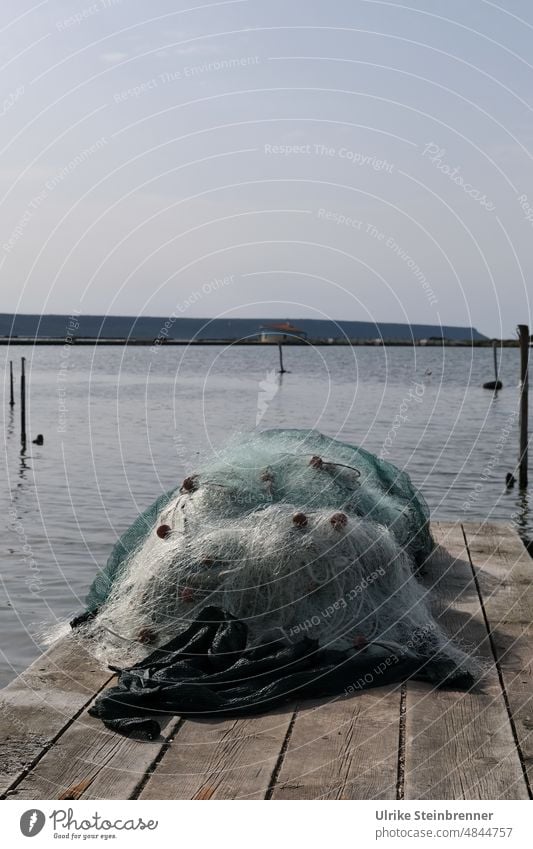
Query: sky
x=356 y=159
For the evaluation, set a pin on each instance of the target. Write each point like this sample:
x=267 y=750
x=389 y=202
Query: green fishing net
x=351 y=479
x=294 y=534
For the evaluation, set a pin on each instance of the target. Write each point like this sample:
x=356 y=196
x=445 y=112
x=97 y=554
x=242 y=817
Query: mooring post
x=23 y=403
x=523 y=335
x=495 y=352
x=11 y=385
x=280 y=348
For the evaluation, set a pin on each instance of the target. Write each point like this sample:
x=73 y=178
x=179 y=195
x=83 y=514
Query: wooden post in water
x=281 y=369
x=23 y=404
x=523 y=335
x=495 y=353
x=495 y=384
x=11 y=385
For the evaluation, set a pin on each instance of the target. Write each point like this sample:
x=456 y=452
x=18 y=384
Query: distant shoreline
x=178 y=329
x=355 y=343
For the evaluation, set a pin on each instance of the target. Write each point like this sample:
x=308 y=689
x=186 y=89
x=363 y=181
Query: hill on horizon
x=184 y=328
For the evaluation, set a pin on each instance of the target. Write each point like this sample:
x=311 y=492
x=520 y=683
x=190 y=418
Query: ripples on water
x=137 y=421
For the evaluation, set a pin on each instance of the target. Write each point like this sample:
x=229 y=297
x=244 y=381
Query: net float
x=146 y=636
x=189 y=484
x=300 y=520
x=186 y=595
x=339 y=521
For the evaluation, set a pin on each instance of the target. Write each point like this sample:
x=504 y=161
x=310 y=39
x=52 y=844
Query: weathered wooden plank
x=460 y=745
x=499 y=544
x=90 y=762
x=344 y=749
x=221 y=759
x=40 y=703
x=504 y=572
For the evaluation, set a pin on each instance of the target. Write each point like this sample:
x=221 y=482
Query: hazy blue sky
x=351 y=159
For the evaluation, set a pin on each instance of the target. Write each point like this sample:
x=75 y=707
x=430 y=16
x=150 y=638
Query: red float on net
x=186 y=595
x=339 y=520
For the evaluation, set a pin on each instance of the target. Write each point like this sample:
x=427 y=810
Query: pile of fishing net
x=301 y=540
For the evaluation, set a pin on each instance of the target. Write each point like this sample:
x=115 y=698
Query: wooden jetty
x=396 y=742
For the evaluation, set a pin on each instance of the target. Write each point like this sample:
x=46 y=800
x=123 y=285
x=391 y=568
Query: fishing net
x=293 y=533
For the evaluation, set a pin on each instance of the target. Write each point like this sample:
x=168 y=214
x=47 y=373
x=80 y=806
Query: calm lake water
x=122 y=425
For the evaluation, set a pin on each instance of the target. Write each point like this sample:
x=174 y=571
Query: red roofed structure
x=281 y=331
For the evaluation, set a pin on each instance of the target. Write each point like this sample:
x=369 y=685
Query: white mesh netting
x=289 y=531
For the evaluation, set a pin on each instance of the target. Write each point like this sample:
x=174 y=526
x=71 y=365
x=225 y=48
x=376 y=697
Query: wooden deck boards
x=39 y=705
x=393 y=742
x=460 y=745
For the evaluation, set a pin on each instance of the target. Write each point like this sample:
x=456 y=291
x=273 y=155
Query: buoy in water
x=39 y=439
x=493 y=384
x=510 y=480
